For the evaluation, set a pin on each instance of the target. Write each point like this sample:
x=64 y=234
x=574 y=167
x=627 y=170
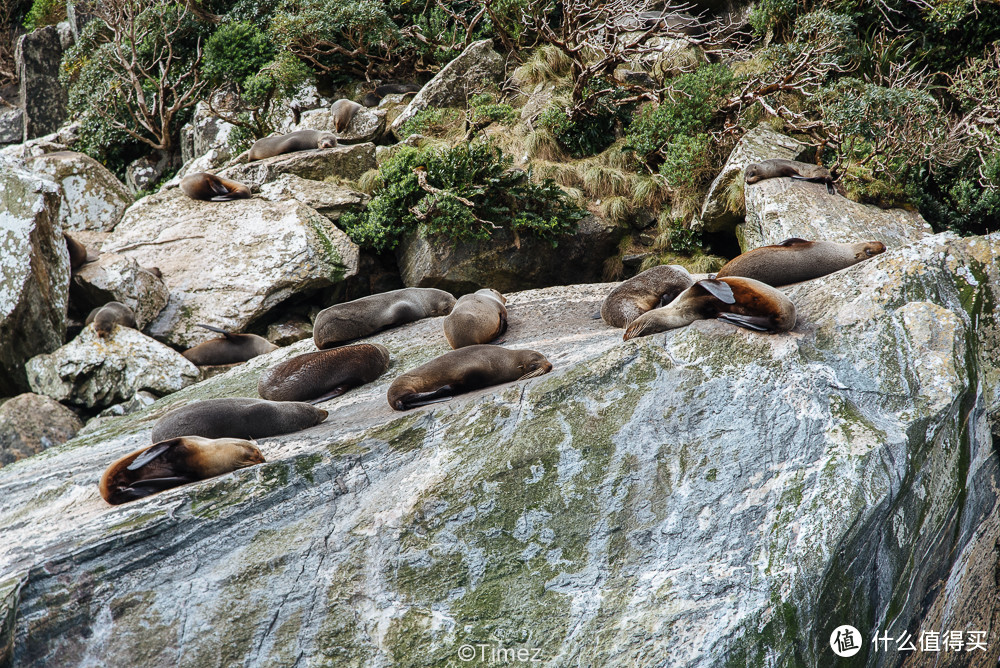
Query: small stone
x=30 y=423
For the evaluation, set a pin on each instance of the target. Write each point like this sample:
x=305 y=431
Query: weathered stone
x=60 y=140
x=342 y=162
x=366 y=126
x=78 y=14
x=34 y=273
x=11 y=125
x=393 y=105
x=141 y=400
x=95 y=372
x=287 y=332
x=700 y=498
x=93 y=198
x=30 y=423
x=718 y=213
x=479 y=68
x=118 y=278
x=329 y=199
x=205 y=133
x=146 y=172
x=229 y=263
x=538 y=101
x=780 y=208
x=506 y=263
x=38 y=55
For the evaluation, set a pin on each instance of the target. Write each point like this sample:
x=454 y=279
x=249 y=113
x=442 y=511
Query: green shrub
x=44 y=13
x=235 y=52
x=593 y=131
x=476 y=173
x=772 y=16
x=432 y=121
x=484 y=109
x=687 y=161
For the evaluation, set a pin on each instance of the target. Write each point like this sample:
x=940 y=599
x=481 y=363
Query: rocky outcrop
x=344 y=162
x=329 y=199
x=93 y=198
x=366 y=126
x=507 y=263
x=38 y=56
x=116 y=278
x=205 y=132
x=60 y=140
x=95 y=372
x=479 y=68
x=705 y=497
x=229 y=263
x=11 y=125
x=34 y=273
x=780 y=208
x=724 y=206
x=30 y=423
x=146 y=172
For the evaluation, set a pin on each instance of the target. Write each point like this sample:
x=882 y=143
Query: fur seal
x=106 y=317
x=316 y=377
x=79 y=255
x=795 y=260
x=172 y=463
x=372 y=99
x=775 y=167
x=741 y=301
x=300 y=140
x=230 y=349
x=359 y=318
x=343 y=113
x=464 y=370
x=477 y=318
x=238 y=417
x=211 y=188
x=654 y=287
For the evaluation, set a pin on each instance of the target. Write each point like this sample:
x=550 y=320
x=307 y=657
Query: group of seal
x=357 y=319
x=477 y=318
x=325 y=374
x=373 y=98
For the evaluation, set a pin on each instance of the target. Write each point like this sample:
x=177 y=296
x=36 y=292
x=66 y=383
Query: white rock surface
x=114 y=277
x=93 y=198
x=366 y=125
x=329 y=199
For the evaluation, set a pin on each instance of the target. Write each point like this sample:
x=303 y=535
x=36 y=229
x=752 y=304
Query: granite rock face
x=93 y=198
x=38 y=56
x=704 y=497
x=367 y=124
x=116 y=278
x=34 y=273
x=229 y=263
x=344 y=162
x=30 y=423
x=329 y=199
x=205 y=133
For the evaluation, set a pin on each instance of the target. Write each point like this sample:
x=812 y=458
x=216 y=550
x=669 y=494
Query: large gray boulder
x=95 y=372
x=38 y=55
x=229 y=263
x=343 y=162
x=117 y=278
x=720 y=213
x=11 y=124
x=93 y=197
x=367 y=124
x=781 y=208
x=204 y=133
x=34 y=272
x=477 y=69
x=30 y=423
x=329 y=199
x=505 y=262
x=705 y=497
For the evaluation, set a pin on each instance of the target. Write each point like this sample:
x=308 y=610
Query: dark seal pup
x=79 y=254
x=477 y=318
x=372 y=99
x=343 y=113
x=464 y=370
x=172 y=463
x=795 y=260
x=230 y=349
x=345 y=322
x=741 y=301
x=654 y=287
x=207 y=187
x=237 y=417
x=316 y=377
x=106 y=317
x=803 y=171
x=300 y=140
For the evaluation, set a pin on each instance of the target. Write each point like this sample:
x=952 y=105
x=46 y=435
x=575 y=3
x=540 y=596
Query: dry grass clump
x=547 y=63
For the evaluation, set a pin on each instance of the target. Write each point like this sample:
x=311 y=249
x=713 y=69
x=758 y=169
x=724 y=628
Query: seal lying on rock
x=106 y=317
x=795 y=260
x=653 y=287
x=359 y=318
x=230 y=349
x=316 y=377
x=300 y=140
x=477 y=318
x=775 y=167
x=237 y=417
x=172 y=463
x=211 y=188
x=464 y=370
x=741 y=301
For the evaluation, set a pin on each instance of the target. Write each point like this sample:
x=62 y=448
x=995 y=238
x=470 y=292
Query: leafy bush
x=772 y=16
x=592 y=133
x=484 y=109
x=479 y=174
x=236 y=52
x=44 y=13
x=688 y=161
x=432 y=121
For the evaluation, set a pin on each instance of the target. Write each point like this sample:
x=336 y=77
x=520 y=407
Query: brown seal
x=372 y=99
x=106 y=317
x=300 y=140
x=79 y=255
x=741 y=301
x=795 y=260
x=316 y=377
x=464 y=370
x=238 y=417
x=359 y=318
x=229 y=349
x=343 y=113
x=775 y=167
x=653 y=287
x=477 y=318
x=172 y=463
x=211 y=188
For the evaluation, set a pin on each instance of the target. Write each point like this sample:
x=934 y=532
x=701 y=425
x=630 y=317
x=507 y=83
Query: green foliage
x=236 y=52
x=681 y=239
x=44 y=13
x=591 y=131
x=477 y=173
x=484 y=109
x=772 y=16
x=964 y=199
x=687 y=161
x=432 y=121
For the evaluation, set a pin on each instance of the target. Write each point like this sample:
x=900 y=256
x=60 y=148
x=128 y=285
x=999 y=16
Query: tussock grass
x=614 y=267
x=370 y=181
x=616 y=210
x=547 y=63
x=732 y=195
x=601 y=182
x=541 y=145
x=699 y=263
x=649 y=191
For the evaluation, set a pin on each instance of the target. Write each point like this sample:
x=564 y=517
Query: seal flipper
x=335 y=392
x=793 y=241
x=755 y=322
x=443 y=393
x=226 y=333
x=718 y=289
x=151 y=453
